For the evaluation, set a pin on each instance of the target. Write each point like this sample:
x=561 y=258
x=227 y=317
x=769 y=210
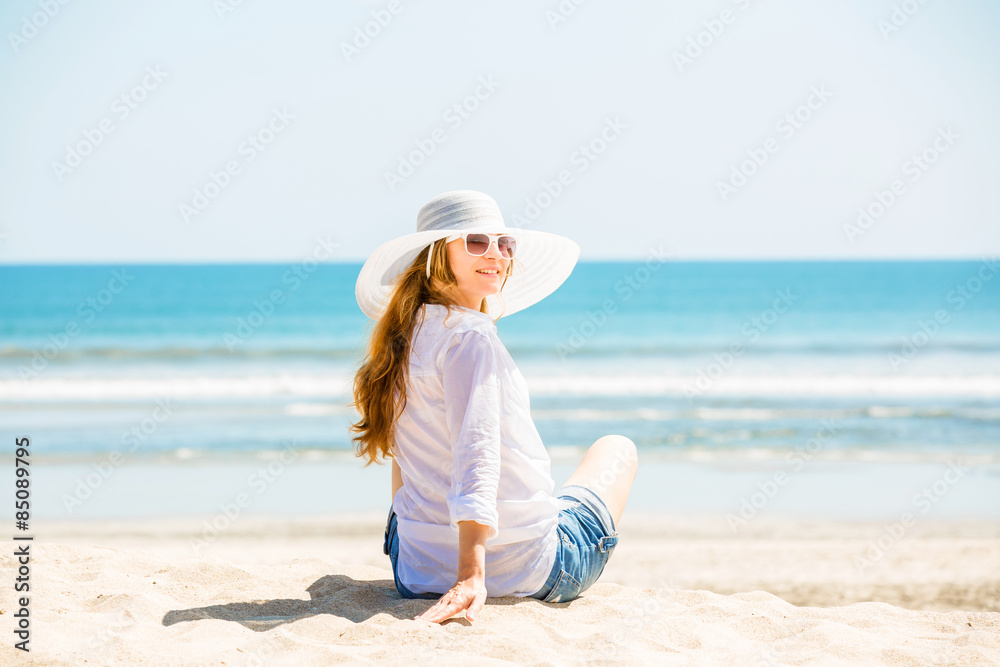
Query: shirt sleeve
x=470 y=375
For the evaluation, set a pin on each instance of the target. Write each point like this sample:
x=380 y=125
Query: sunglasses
x=478 y=245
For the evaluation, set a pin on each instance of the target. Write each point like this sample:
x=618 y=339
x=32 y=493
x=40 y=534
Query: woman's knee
x=612 y=464
x=621 y=451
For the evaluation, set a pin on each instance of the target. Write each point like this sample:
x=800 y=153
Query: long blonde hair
x=380 y=382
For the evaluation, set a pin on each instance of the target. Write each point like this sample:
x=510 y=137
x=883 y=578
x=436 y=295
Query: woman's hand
x=468 y=594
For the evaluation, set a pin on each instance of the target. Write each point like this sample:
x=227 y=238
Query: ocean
x=695 y=361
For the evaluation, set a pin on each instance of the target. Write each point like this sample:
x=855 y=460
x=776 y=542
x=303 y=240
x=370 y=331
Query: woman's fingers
x=450 y=604
x=454 y=601
x=472 y=610
x=475 y=607
x=438 y=613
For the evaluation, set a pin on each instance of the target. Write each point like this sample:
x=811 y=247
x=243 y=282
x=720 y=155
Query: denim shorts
x=587 y=537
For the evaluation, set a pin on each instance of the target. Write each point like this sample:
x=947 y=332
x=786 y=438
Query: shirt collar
x=463 y=309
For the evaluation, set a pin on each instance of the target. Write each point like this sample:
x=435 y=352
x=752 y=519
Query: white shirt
x=468 y=450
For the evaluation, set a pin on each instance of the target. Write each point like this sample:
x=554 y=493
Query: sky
x=257 y=130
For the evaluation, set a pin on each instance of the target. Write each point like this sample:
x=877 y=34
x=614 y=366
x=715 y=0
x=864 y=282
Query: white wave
x=735 y=458
x=884 y=412
x=97 y=389
x=762 y=414
x=768 y=385
x=777 y=455
x=338 y=387
x=316 y=410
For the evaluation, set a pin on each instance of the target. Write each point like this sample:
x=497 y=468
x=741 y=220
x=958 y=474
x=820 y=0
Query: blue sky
x=698 y=157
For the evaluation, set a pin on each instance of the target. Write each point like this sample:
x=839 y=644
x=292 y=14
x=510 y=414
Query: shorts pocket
x=565 y=588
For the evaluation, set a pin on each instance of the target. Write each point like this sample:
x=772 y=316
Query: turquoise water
x=693 y=360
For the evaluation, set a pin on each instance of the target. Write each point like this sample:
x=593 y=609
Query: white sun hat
x=542 y=260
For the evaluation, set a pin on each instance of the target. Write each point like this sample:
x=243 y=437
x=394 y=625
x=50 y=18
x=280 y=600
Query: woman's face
x=477 y=277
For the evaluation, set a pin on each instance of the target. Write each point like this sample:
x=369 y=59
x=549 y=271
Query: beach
x=276 y=590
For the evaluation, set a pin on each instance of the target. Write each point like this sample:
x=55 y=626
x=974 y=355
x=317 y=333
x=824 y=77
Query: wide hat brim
x=542 y=263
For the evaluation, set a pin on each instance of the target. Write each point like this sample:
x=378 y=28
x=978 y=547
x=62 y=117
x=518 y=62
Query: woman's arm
x=397 y=479
x=470 y=380
x=472 y=550
x=469 y=592
x=471 y=385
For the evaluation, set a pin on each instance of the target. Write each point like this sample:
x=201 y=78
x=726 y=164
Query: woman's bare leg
x=608 y=469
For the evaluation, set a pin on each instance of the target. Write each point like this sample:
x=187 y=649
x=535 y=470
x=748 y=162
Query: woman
x=472 y=511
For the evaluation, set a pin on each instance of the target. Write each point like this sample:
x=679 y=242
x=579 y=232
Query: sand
x=677 y=591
